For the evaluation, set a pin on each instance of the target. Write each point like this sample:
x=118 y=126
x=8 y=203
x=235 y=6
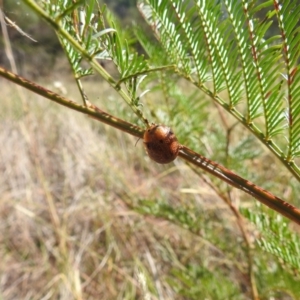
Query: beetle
x=161 y=143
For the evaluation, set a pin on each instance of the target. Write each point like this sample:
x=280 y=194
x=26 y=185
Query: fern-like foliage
x=77 y=25
x=277 y=238
x=98 y=33
x=227 y=45
x=130 y=64
x=289 y=30
x=221 y=47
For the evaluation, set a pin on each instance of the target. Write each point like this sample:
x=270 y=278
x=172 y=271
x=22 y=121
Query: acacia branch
x=265 y=197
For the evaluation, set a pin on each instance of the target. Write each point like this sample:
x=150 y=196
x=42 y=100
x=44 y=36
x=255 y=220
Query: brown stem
x=243 y=229
x=265 y=197
x=187 y=154
x=91 y=110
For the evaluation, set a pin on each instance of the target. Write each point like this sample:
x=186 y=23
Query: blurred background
x=47 y=48
x=84 y=213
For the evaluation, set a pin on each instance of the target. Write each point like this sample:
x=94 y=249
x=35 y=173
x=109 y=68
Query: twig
x=16 y=27
x=10 y=55
x=90 y=110
x=265 y=197
x=242 y=226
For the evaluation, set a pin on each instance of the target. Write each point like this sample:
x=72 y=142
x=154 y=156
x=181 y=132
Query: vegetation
x=85 y=212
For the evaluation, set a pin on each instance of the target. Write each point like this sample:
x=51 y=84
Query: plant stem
x=265 y=197
x=187 y=154
x=290 y=165
x=93 y=62
x=90 y=110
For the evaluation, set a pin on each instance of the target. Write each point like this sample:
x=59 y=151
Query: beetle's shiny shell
x=161 y=144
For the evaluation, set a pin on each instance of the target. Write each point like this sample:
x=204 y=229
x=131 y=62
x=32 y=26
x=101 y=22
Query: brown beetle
x=161 y=144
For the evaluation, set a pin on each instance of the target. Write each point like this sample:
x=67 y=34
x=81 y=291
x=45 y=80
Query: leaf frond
x=162 y=21
x=233 y=45
x=289 y=29
x=275 y=233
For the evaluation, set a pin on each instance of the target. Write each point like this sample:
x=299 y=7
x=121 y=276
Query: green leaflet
x=250 y=50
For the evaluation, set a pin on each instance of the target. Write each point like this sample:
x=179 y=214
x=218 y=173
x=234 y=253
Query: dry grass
x=67 y=227
x=70 y=189
x=70 y=193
